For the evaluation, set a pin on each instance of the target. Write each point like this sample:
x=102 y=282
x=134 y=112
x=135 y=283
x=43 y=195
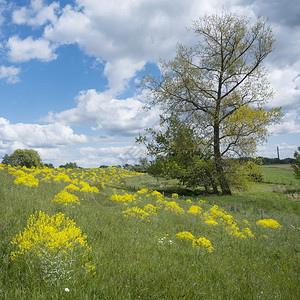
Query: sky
x=68 y=73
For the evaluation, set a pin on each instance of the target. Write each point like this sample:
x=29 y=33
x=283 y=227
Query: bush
x=296 y=165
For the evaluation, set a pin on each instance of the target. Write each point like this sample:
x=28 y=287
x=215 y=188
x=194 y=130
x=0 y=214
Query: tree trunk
x=221 y=176
x=212 y=182
x=217 y=154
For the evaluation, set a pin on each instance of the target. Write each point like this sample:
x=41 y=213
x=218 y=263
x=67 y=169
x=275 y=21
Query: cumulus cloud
x=37 y=14
x=111 y=155
x=115 y=117
x=290 y=124
x=27 y=49
x=270 y=150
x=285 y=82
x=10 y=74
x=285 y=13
x=34 y=135
x=125 y=34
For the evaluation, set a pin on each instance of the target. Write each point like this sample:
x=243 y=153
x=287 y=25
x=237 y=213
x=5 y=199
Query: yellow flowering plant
x=268 y=223
x=55 y=233
x=55 y=241
x=65 y=198
x=195 y=210
x=216 y=215
x=200 y=243
x=136 y=212
x=185 y=235
x=172 y=206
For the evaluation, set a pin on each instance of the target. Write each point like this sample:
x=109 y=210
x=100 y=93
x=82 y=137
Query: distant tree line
x=273 y=161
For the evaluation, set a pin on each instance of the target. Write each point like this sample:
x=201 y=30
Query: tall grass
x=137 y=259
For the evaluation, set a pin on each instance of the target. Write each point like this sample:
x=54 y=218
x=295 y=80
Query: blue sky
x=68 y=71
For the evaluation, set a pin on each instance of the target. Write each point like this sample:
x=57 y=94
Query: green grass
x=281 y=174
x=132 y=264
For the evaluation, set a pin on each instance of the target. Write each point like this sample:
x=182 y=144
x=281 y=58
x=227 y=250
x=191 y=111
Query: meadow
x=115 y=234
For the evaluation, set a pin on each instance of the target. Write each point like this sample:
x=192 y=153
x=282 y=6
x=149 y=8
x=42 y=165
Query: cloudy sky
x=68 y=72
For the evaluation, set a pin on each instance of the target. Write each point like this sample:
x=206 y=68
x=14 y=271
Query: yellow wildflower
x=195 y=210
x=268 y=223
x=64 y=197
x=174 y=207
x=202 y=242
x=185 y=235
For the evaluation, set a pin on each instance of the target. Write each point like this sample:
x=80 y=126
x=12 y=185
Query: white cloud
x=270 y=150
x=38 y=14
x=290 y=124
x=111 y=155
x=11 y=74
x=285 y=82
x=120 y=71
x=27 y=49
x=115 y=117
x=35 y=136
x=126 y=34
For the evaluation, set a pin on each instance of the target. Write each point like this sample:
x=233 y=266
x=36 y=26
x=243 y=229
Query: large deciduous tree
x=220 y=85
x=24 y=158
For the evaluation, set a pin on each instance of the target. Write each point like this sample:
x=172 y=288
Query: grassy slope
x=130 y=262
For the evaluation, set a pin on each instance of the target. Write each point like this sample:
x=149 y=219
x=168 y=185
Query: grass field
x=282 y=174
x=138 y=253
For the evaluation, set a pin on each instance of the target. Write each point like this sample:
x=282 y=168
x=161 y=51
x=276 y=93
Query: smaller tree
x=178 y=153
x=24 y=158
x=69 y=165
x=296 y=165
x=50 y=166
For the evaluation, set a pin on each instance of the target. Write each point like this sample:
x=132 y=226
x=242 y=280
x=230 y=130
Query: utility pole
x=278 y=152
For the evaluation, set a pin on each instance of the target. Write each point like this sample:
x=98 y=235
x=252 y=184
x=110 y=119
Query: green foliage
x=51 y=166
x=219 y=86
x=178 y=154
x=241 y=174
x=69 y=165
x=275 y=161
x=296 y=165
x=24 y=158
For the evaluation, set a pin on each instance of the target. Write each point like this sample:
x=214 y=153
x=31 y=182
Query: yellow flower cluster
x=268 y=223
x=87 y=188
x=111 y=176
x=216 y=215
x=195 y=210
x=185 y=235
x=64 y=197
x=135 y=212
x=201 y=242
x=151 y=209
x=25 y=179
x=72 y=187
x=124 y=199
x=44 y=233
x=174 y=207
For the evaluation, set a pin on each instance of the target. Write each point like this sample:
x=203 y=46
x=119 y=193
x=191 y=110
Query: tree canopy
x=23 y=157
x=69 y=165
x=219 y=87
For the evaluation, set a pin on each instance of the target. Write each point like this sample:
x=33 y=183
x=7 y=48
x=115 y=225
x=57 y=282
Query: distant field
x=281 y=174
